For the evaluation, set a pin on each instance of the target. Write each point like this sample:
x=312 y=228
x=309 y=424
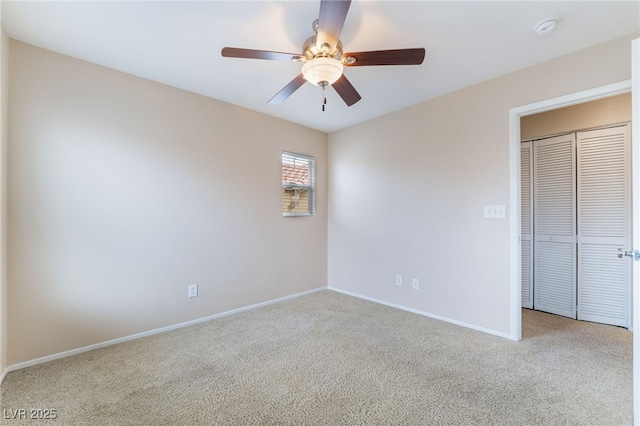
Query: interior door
x=526 y=223
x=604 y=210
x=555 y=225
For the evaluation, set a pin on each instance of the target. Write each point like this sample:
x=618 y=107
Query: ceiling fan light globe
x=326 y=70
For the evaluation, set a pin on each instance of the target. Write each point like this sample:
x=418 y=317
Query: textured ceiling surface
x=179 y=44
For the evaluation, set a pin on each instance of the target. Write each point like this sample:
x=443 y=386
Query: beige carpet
x=331 y=359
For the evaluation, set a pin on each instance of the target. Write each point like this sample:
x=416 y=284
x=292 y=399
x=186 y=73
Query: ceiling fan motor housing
x=310 y=50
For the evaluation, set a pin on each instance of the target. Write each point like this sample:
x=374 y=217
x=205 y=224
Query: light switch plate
x=495 y=212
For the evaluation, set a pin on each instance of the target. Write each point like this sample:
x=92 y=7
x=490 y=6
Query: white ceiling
x=179 y=43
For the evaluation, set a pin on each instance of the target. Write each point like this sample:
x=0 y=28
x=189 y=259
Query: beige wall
x=122 y=192
x=603 y=112
x=4 y=137
x=407 y=190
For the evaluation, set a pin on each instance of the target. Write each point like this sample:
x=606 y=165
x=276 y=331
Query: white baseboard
x=65 y=354
x=426 y=314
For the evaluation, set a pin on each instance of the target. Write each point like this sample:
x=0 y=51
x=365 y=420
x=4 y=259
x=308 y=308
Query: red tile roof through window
x=295 y=174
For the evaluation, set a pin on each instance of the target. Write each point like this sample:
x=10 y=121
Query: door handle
x=629 y=253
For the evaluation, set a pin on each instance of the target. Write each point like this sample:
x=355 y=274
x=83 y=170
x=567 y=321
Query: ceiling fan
x=323 y=58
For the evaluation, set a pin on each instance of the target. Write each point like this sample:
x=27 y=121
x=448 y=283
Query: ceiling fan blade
x=346 y=91
x=287 y=90
x=384 y=57
x=330 y=21
x=235 y=52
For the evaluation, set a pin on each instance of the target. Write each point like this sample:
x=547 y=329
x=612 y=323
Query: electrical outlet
x=398 y=279
x=193 y=290
x=415 y=284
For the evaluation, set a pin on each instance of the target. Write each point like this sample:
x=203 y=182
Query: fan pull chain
x=324 y=96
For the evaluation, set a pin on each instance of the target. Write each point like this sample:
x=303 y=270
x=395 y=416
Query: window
x=298 y=184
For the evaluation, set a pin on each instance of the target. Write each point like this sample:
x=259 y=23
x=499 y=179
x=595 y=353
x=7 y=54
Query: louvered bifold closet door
x=526 y=230
x=554 y=234
x=603 y=225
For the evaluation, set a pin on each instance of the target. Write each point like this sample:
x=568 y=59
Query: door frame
x=514 y=197
x=635 y=171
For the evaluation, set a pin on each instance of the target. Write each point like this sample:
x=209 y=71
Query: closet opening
x=575 y=183
x=576 y=217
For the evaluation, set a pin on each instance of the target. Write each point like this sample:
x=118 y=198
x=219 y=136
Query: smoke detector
x=546 y=26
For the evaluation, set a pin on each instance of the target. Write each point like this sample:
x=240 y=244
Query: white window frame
x=293 y=158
